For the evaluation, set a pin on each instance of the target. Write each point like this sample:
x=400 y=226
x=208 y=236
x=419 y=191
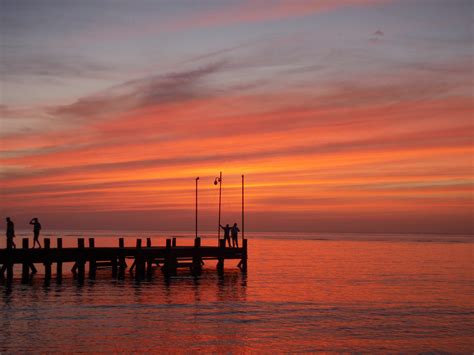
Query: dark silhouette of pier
x=145 y=258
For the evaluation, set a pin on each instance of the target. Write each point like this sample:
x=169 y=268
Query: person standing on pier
x=235 y=235
x=226 y=229
x=10 y=233
x=36 y=231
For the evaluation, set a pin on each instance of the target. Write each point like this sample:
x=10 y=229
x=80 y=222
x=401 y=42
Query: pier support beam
x=220 y=259
x=92 y=260
x=47 y=260
x=149 y=260
x=59 y=263
x=197 y=259
x=243 y=262
x=81 y=260
x=9 y=264
x=121 y=259
x=114 y=263
x=25 y=270
x=170 y=259
x=139 y=261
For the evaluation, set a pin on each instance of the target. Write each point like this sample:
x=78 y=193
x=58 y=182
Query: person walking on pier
x=235 y=235
x=10 y=233
x=226 y=229
x=36 y=231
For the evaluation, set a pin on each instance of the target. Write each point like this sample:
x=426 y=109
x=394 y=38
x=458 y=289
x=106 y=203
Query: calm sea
x=302 y=293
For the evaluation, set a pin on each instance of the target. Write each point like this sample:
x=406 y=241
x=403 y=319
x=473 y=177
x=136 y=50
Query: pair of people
x=234 y=231
x=11 y=232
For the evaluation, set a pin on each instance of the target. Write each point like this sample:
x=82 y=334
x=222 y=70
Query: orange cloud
x=317 y=156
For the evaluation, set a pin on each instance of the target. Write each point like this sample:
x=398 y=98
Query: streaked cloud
x=326 y=127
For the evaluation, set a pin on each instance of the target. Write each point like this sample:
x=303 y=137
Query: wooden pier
x=144 y=258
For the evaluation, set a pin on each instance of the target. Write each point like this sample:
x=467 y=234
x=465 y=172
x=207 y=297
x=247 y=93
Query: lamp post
x=197 y=206
x=219 y=180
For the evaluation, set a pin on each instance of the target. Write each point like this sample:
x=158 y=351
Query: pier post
x=47 y=259
x=170 y=264
x=92 y=261
x=121 y=259
x=114 y=266
x=59 y=263
x=139 y=261
x=114 y=263
x=149 y=260
x=25 y=270
x=9 y=263
x=80 y=260
x=243 y=261
x=173 y=244
x=197 y=259
x=220 y=259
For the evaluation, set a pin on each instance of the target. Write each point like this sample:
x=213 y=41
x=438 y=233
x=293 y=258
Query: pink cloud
x=261 y=11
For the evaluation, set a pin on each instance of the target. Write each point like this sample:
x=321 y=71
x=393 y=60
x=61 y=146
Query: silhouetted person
x=36 y=231
x=226 y=229
x=235 y=235
x=10 y=233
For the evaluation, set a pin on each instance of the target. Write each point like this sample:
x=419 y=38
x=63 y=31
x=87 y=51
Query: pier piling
x=59 y=263
x=80 y=260
x=47 y=259
x=121 y=259
x=25 y=270
x=197 y=259
x=92 y=261
x=8 y=265
x=149 y=260
x=169 y=265
x=243 y=262
x=139 y=261
x=220 y=259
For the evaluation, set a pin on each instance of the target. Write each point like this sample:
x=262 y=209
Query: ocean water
x=301 y=293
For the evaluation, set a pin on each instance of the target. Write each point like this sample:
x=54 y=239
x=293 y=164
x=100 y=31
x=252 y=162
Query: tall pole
x=243 y=224
x=220 y=195
x=197 y=206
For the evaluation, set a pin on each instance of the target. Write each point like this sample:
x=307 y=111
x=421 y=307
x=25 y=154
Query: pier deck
x=145 y=258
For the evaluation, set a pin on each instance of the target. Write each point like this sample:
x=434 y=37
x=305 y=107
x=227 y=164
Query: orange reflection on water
x=404 y=293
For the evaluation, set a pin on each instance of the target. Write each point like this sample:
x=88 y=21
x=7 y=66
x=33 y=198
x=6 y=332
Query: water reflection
x=112 y=308
x=305 y=296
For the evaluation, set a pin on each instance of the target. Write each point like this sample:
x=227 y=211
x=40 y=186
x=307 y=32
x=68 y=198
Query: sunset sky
x=344 y=116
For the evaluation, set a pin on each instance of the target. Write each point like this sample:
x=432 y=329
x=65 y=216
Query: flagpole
x=220 y=196
x=243 y=225
x=197 y=206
